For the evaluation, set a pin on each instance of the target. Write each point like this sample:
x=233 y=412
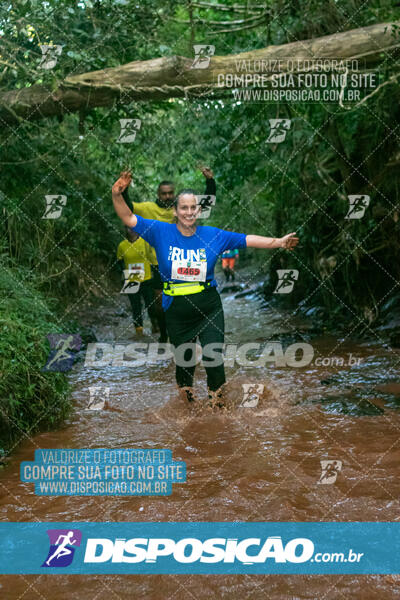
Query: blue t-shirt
x=205 y=245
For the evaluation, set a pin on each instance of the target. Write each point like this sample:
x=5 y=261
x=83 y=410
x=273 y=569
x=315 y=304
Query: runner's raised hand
x=122 y=183
x=207 y=172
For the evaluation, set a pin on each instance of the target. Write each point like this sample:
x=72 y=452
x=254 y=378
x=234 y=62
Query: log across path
x=174 y=77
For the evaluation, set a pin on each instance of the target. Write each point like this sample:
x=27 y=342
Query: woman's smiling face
x=187 y=210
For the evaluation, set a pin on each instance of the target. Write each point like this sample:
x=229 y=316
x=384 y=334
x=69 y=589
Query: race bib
x=136 y=271
x=184 y=270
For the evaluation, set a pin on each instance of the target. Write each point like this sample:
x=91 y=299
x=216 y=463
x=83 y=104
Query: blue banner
x=207 y=548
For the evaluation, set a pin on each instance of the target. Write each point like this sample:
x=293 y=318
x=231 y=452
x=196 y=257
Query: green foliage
x=29 y=399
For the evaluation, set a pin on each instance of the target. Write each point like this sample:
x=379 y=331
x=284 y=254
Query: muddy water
x=259 y=463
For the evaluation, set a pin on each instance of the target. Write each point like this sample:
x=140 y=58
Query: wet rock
x=253 y=289
x=88 y=335
x=328 y=381
x=388 y=323
x=290 y=337
x=356 y=406
x=228 y=288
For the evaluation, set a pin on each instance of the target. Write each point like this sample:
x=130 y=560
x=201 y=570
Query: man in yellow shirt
x=162 y=210
x=135 y=256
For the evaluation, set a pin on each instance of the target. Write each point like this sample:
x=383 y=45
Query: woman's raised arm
x=258 y=241
x=121 y=208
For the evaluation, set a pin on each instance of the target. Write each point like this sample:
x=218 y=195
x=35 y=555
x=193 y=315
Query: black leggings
x=147 y=293
x=197 y=315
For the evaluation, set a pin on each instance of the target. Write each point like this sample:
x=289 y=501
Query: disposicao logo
x=191 y=550
x=62 y=542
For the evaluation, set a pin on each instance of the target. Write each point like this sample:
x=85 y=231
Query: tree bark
x=173 y=77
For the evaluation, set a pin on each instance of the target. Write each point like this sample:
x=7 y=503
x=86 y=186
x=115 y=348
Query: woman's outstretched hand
x=289 y=242
x=122 y=183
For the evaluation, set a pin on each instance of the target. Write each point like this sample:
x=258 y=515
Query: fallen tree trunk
x=173 y=77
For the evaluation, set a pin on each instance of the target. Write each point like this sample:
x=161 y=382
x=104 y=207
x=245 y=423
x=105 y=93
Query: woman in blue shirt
x=187 y=255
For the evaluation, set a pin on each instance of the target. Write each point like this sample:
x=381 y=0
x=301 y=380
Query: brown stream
x=251 y=464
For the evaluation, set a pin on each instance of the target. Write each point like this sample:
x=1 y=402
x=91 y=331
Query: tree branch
x=234 y=8
x=208 y=22
x=261 y=21
x=174 y=77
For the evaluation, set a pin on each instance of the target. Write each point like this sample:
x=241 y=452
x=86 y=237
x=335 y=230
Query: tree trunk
x=172 y=77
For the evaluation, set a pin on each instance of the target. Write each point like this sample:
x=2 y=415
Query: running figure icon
x=62 y=549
